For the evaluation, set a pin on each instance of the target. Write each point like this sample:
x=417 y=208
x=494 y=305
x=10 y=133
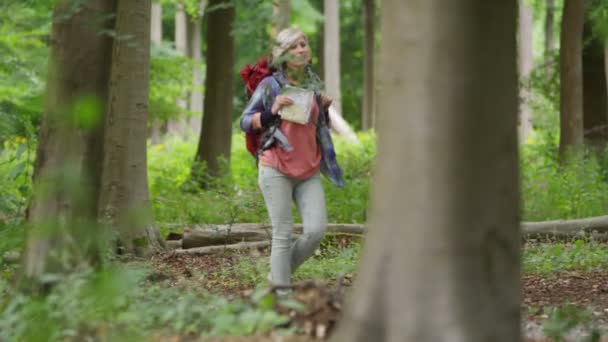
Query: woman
x=292 y=157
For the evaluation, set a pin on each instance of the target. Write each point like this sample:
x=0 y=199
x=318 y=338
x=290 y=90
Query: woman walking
x=293 y=153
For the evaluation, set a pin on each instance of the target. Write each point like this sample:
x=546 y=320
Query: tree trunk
x=194 y=48
x=281 y=11
x=526 y=63
x=571 y=94
x=67 y=168
x=125 y=201
x=331 y=52
x=216 y=132
x=441 y=261
x=549 y=41
x=369 y=13
x=595 y=113
x=175 y=125
x=156 y=36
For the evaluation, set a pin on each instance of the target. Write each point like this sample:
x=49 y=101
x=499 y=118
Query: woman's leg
x=277 y=190
x=310 y=200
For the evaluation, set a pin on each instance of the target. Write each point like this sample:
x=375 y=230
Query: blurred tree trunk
x=549 y=41
x=571 y=94
x=595 y=111
x=331 y=52
x=194 y=26
x=125 y=201
x=442 y=258
x=216 y=132
x=175 y=125
x=156 y=36
x=281 y=11
x=369 y=13
x=63 y=208
x=525 y=63
x=319 y=50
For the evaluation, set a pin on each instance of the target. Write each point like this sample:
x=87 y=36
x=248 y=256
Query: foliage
x=577 y=255
x=564 y=319
x=24 y=30
x=553 y=191
x=118 y=304
x=16 y=165
x=170 y=81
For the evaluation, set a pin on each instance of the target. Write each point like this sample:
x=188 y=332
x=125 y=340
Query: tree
x=549 y=42
x=216 y=133
x=525 y=63
x=442 y=257
x=331 y=50
x=67 y=169
x=595 y=91
x=156 y=37
x=124 y=198
x=369 y=13
x=595 y=113
x=282 y=12
x=571 y=78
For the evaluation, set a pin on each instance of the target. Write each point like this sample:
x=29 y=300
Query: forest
x=472 y=197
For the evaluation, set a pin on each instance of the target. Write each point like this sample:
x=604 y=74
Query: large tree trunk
x=281 y=11
x=67 y=168
x=441 y=261
x=525 y=63
x=369 y=13
x=125 y=201
x=571 y=94
x=549 y=41
x=595 y=113
x=216 y=132
x=331 y=52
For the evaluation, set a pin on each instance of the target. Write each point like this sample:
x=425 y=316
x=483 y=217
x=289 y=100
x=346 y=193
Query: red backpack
x=252 y=76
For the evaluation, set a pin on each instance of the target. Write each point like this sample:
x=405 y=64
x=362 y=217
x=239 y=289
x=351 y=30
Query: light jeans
x=279 y=190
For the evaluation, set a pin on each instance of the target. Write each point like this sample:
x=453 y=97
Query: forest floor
x=572 y=303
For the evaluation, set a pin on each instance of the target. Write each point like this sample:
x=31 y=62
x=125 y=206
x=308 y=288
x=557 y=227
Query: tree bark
x=595 y=111
x=67 y=168
x=281 y=11
x=442 y=258
x=525 y=63
x=369 y=13
x=216 y=132
x=125 y=201
x=331 y=50
x=549 y=41
x=571 y=94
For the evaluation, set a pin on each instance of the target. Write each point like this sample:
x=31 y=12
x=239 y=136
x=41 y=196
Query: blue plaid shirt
x=263 y=98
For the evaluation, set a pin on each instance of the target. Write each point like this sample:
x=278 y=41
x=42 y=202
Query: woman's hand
x=279 y=102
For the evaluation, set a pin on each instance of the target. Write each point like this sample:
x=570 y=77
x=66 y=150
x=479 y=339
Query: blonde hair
x=284 y=41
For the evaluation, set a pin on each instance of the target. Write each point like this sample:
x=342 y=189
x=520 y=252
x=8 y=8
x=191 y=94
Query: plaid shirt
x=263 y=98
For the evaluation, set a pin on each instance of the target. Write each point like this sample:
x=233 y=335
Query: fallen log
x=221 y=235
x=239 y=235
x=598 y=223
x=222 y=249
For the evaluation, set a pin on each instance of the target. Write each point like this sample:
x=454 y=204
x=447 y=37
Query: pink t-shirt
x=304 y=161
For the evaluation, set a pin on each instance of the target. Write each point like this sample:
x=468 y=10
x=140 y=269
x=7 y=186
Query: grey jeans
x=279 y=190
